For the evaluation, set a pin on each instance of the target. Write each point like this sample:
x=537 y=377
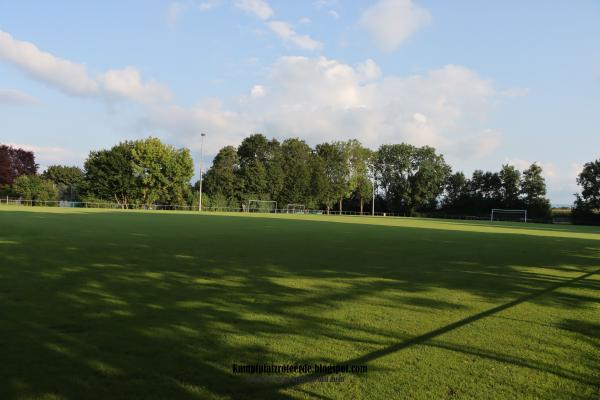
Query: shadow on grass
x=129 y=305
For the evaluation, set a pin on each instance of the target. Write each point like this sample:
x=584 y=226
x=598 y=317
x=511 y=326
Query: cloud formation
x=73 y=78
x=391 y=22
x=315 y=98
x=16 y=98
x=289 y=35
x=68 y=76
x=258 y=8
x=320 y=99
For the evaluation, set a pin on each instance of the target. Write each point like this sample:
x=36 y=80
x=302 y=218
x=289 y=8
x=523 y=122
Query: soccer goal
x=262 y=206
x=295 y=209
x=499 y=214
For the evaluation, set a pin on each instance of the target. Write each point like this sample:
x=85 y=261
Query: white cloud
x=257 y=91
x=127 y=83
x=319 y=99
x=68 y=76
x=391 y=22
x=369 y=70
x=185 y=124
x=72 y=78
x=259 y=8
x=334 y=14
x=288 y=34
x=14 y=97
x=304 y=20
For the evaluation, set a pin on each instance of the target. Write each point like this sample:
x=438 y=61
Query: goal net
x=295 y=209
x=262 y=206
x=499 y=214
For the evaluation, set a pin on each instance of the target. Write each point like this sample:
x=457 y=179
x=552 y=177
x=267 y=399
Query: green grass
x=126 y=305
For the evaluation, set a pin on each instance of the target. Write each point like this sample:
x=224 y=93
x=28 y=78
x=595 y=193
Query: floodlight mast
x=373 y=201
x=200 y=183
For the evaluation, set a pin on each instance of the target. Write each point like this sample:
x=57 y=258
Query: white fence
x=172 y=207
x=176 y=207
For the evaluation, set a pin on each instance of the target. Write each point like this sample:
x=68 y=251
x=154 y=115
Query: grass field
x=126 y=305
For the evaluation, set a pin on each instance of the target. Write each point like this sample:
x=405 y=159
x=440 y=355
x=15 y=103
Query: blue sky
x=486 y=83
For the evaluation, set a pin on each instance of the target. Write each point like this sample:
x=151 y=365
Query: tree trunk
x=340 y=206
x=361 y=205
x=327 y=206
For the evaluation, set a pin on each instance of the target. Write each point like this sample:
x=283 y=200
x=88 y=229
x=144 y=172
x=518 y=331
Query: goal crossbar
x=262 y=205
x=293 y=207
x=505 y=211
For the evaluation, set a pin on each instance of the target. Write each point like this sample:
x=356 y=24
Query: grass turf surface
x=111 y=304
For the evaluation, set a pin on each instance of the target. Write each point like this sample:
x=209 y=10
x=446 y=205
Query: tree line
x=339 y=176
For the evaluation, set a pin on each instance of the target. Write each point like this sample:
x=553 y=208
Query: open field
x=155 y=305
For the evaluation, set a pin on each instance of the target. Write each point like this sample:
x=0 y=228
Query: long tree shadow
x=421 y=339
x=128 y=305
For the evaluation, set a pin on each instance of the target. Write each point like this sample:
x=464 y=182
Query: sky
x=485 y=83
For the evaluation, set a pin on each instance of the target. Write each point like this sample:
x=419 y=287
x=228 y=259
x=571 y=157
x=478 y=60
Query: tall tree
x=260 y=169
x=14 y=163
x=64 y=175
x=510 y=181
x=588 y=201
x=222 y=180
x=253 y=153
x=456 y=191
x=69 y=180
x=319 y=183
x=109 y=175
x=336 y=167
x=361 y=184
x=533 y=184
x=533 y=190
x=411 y=177
x=296 y=165
x=144 y=171
x=162 y=172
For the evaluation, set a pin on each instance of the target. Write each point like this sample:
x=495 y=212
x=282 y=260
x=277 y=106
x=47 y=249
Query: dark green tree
x=533 y=185
x=361 y=185
x=162 y=172
x=510 y=182
x=588 y=201
x=253 y=153
x=336 y=167
x=296 y=165
x=411 y=177
x=222 y=181
x=69 y=180
x=456 y=192
x=319 y=184
x=533 y=192
x=34 y=187
x=110 y=175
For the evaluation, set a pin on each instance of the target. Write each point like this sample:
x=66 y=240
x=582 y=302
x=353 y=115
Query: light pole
x=373 y=202
x=200 y=184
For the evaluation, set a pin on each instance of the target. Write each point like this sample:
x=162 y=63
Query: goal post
x=508 y=215
x=295 y=209
x=262 y=206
